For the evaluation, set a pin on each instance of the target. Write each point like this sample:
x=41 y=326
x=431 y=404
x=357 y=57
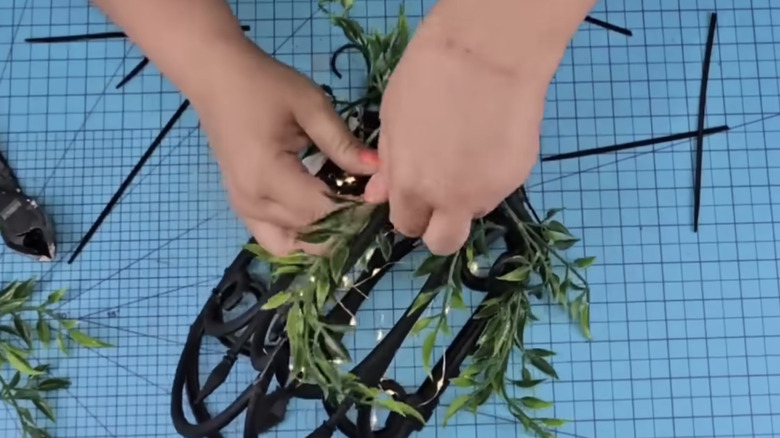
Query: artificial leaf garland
x=22 y=326
x=355 y=230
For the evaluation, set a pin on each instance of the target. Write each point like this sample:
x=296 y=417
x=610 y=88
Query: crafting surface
x=686 y=326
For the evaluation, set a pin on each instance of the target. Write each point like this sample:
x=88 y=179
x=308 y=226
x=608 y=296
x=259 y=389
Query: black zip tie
x=341 y=50
x=636 y=144
x=76 y=38
x=702 y=108
x=126 y=183
x=133 y=73
x=609 y=26
x=87 y=37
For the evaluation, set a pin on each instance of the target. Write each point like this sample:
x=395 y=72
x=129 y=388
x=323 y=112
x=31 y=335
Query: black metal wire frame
x=259 y=335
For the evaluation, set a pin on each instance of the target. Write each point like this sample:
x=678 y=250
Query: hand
x=258 y=119
x=459 y=134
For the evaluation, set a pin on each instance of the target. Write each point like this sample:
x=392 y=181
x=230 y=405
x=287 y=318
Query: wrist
x=209 y=72
x=524 y=39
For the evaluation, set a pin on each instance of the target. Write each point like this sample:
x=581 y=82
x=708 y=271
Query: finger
x=331 y=135
x=276 y=240
x=447 y=231
x=377 y=189
x=301 y=193
x=409 y=214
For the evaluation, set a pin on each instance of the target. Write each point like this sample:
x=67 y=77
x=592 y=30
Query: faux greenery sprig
x=22 y=325
x=540 y=271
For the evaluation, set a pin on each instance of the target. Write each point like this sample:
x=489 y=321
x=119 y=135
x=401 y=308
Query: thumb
x=330 y=134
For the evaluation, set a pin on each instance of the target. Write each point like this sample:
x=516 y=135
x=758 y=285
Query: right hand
x=258 y=117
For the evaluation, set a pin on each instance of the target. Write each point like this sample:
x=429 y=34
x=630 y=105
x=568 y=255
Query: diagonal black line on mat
x=145 y=335
x=150 y=297
x=10 y=54
x=126 y=368
x=91 y=414
x=140 y=259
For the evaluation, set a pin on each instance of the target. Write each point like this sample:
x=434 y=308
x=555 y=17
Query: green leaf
x=352 y=30
x=84 y=340
x=10 y=330
x=45 y=409
x=44 y=332
x=456 y=302
x=23 y=328
x=526 y=384
x=286 y=270
x=456 y=406
x=15 y=379
x=430 y=265
x=24 y=290
x=44 y=368
x=585 y=262
x=25 y=414
x=421 y=325
x=10 y=306
x=385 y=246
x=518 y=275
x=540 y=352
x=552 y=422
x=422 y=300
x=585 y=320
x=563 y=245
x=27 y=394
x=575 y=308
x=20 y=363
x=542 y=365
x=316 y=237
x=427 y=349
x=335 y=347
x=337 y=262
x=69 y=324
x=559 y=228
x=55 y=296
x=462 y=382
x=294 y=259
x=277 y=301
x=535 y=403
x=323 y=291
x=259 y=252
x=8 y=291
x=35 y=432
x=552 y=213
x=401 y=408
x=54 y=384
x=61 y=344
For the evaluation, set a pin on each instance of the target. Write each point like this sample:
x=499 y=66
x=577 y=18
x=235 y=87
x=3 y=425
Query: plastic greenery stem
x=355 y=230
x=24 y=382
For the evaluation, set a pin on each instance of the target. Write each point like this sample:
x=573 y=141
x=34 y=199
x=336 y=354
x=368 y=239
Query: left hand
x=459 y=134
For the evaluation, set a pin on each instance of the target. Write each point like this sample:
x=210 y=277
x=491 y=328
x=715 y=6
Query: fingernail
x=369 y=156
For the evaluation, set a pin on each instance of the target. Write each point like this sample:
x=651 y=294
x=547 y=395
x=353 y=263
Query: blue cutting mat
x=686 y=326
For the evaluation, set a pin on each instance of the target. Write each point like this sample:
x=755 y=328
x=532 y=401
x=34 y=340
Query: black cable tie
x=88 y=37
x=702 y=109
x=608 y=26
x=635 y=144
x=133 y=73
x=126 y=183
